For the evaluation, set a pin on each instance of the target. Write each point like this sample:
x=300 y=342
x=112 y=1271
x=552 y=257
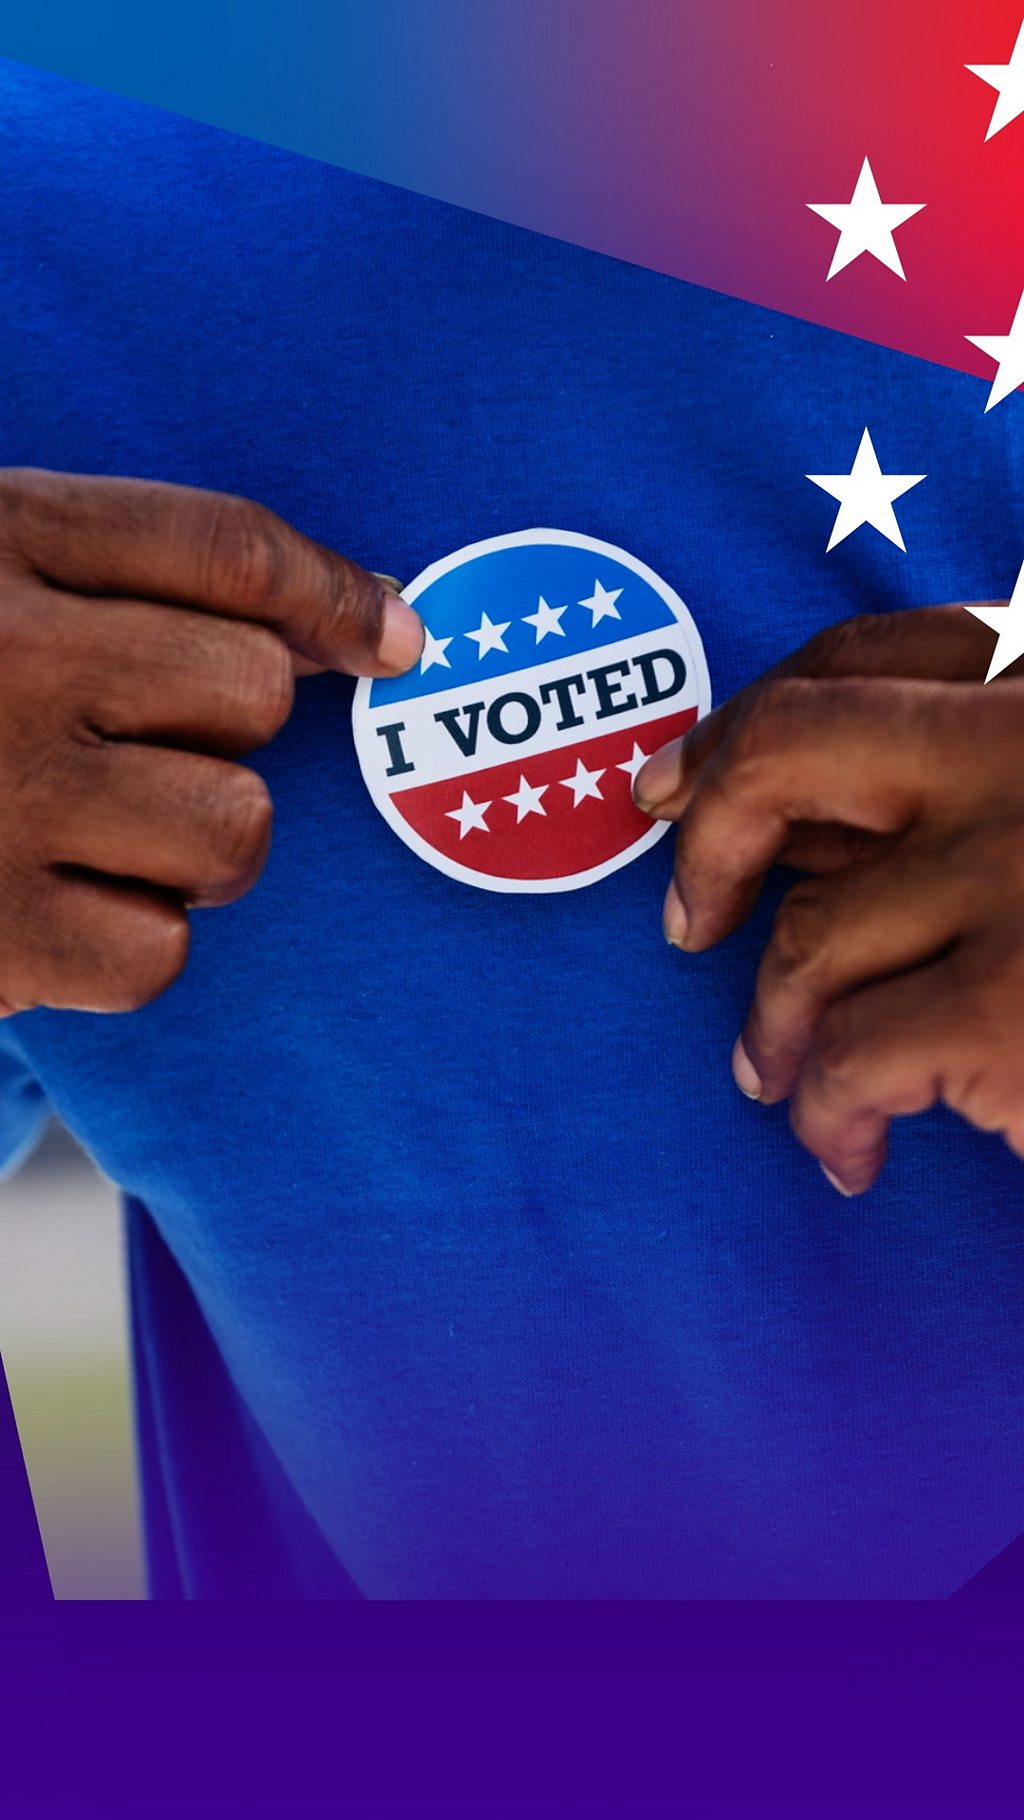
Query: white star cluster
x=867 y=225
x=527 y=799
x=546 y=622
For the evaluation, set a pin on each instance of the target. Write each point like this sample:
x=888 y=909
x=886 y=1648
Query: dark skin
x=876 y=760
x=150 y=636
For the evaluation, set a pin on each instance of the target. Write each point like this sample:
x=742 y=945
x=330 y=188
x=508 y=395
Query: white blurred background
x=63 y=1339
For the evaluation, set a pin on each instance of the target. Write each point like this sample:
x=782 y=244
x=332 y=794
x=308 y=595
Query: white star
x=434 y=651
x=1008 y=621
x=546 y=619
x=527 y=800
x=470 y=815
x=488 y=637
x=1008 y=353
x=865 y=496
x=583 y=783
x=866 y=224
x=602 y=603
x=633 y=763
x=1008 y=81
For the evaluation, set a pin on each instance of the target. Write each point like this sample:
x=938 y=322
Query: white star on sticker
x=866 y=224
x=488 y=637
x=1008 y=81
x=602 y=603
x=1008 y=621
x=865 y=496
x=434 y=651
x=526 y=800
x=546 y=619
x=469 y=815
x=633 y=763
x=1008 y=353
x=583 y=783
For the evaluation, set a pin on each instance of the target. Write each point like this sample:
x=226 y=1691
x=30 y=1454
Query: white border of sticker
x=486 y=881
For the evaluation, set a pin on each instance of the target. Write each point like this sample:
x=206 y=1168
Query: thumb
x=304 y=666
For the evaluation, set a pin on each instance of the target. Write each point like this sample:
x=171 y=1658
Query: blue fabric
x=460 y=1266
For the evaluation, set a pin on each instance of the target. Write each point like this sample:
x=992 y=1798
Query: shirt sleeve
x=23 y=1106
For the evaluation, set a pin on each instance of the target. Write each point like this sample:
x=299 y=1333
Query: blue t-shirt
x=459 y=1266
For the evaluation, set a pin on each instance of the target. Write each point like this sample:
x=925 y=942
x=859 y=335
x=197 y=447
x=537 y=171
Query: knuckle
x=12 y=482
x=19 y=489
x=837 y=650
x=264 y=683
x=158 y=956
x=240 y=822
x=798 y=935
x=860 y=696
x=835 y=1054
x=16 y=482
x=25 y=636
x=244 y=555
x=771 y=703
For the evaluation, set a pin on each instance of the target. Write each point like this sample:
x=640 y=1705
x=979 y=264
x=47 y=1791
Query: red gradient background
x=718 y=124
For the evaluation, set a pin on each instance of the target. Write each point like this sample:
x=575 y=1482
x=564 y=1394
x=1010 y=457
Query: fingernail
x=673 y=918
x=391 y=582
x=847 y=1193
x=744 y=1073
x=401 y=639
x=658 y=777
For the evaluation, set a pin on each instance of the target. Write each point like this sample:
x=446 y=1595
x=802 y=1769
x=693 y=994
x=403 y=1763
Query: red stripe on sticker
x=548 y=816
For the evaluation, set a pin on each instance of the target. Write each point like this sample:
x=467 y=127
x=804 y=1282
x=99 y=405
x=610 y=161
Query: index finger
x=211 y=551
x=860 y=753
x=939 y=644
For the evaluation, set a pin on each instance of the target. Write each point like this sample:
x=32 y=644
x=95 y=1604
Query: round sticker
x=554 y=664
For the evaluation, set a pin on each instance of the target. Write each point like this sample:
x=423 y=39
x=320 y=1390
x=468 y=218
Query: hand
x=148 y=637
x=876 y=759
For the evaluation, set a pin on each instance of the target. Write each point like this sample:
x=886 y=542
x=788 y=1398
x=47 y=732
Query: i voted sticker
x=554 y=664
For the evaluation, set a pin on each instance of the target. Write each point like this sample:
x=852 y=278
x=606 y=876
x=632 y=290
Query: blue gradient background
x=400 y=89
x=686 y=135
